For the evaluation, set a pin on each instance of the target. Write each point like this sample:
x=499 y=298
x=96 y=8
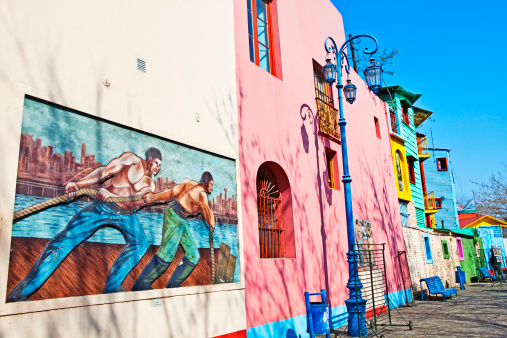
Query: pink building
x=294 y=233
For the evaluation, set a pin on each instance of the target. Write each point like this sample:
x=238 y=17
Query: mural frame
x=10 y=162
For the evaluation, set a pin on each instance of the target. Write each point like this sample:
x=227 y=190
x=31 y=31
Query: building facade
x=119 y=99
x=289 y=140
x=440 y=180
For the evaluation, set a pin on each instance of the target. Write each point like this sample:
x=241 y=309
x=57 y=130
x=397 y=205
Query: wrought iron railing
x=271 y=236
x=422 y=146
x=429 y=201
x=328 y=119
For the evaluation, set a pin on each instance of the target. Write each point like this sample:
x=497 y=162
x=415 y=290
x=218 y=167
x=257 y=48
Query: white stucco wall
x=62 y=52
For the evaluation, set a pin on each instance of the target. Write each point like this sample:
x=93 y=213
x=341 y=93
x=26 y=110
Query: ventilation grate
x=141 y=65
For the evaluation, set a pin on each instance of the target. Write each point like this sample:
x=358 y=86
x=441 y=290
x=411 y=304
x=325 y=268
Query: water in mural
x=158 y=200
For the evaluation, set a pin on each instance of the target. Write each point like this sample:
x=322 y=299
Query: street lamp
x=356 y=305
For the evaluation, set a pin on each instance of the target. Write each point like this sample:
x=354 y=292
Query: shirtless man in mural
x=186 y=199
x=125 y=176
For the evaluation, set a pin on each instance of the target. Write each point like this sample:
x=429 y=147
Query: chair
x=483 y=273
x=435 y=286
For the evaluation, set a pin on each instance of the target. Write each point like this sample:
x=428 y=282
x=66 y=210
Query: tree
x=491 y=197
x=384 y=58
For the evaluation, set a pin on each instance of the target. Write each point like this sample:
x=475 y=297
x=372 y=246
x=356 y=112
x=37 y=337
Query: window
x=460 y=249
x=445 y=249
x=274 y=211
x=260 y=34
x=332 y=167
x=411 y=171
x=442 y=164
x=427 y=249
x=478 y=249
x=404 y=110
x=438 y=203
x=394 y=121
x=398 y=170
x=377 y=127
x=323 y=90
x=404 y=213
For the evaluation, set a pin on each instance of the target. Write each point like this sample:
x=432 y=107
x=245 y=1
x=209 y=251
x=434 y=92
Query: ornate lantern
x=329 y=71
x=373 y=76
x=350 y=92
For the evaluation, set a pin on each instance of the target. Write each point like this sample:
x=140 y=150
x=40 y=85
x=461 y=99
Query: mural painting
x=497 y=251
x=364 y=240
x=134 y=212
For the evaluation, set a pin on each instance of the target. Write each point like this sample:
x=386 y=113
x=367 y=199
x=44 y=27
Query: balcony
x=429 y=203
x=328 y=120
x=422 y=148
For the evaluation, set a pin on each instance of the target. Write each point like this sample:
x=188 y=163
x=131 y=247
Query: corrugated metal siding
x=409 y=134
x=421 y=222
x=442 y=184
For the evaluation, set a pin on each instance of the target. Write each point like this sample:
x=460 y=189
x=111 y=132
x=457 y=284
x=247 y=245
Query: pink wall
x=276 y=123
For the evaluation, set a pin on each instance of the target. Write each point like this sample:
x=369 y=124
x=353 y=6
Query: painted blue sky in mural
x=66 y=131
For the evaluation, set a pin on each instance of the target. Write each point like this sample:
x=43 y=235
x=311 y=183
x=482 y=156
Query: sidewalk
x=478 y=311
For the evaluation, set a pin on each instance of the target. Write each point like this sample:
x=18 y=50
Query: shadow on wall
x=291 y=334
x=373 y=199
x=105 y=319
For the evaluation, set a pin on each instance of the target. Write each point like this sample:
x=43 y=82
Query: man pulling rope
x=128 y=177
x=187 y=199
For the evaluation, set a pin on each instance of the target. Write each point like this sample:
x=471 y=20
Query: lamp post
x=356 y=305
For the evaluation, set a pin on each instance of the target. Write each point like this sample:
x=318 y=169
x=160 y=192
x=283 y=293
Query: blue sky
x=454 y=53
x=66 y=131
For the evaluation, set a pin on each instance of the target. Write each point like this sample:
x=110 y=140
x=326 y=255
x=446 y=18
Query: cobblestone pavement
x=478 y=311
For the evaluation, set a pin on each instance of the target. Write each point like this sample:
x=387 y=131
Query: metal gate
x=372 y=274
x=405 y=276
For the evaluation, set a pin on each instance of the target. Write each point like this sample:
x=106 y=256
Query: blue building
x=492 y=241
x=440 y=180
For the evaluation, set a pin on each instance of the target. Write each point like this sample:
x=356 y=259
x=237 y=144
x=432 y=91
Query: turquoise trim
x=295 y=327
x=398 y=298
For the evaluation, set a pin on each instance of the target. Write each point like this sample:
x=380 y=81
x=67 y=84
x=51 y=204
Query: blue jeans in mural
x=82 y=226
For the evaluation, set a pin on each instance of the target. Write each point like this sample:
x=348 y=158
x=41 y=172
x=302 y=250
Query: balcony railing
x=422 y=146
x=328 y=119
x=429 y=201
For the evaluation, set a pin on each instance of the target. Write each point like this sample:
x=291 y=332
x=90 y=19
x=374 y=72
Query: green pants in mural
x=175 y=231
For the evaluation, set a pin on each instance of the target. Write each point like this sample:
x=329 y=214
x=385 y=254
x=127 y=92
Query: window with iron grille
x=260 y=34
x=323 y=90
x=269 y=211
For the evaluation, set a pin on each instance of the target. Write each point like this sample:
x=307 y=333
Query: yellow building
x=477 y=221
x=400 y=168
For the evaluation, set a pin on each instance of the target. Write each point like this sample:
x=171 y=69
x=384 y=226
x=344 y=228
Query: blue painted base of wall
x=296 y=327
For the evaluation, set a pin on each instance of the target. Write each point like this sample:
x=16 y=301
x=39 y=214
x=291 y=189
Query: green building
x=470 y=249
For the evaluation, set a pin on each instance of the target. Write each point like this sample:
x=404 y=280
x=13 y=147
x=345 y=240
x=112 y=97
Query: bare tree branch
x=491 y=197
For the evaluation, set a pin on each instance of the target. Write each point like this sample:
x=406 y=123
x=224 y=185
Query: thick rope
x=57 y=200
x=87 y=191
x=212 y=254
